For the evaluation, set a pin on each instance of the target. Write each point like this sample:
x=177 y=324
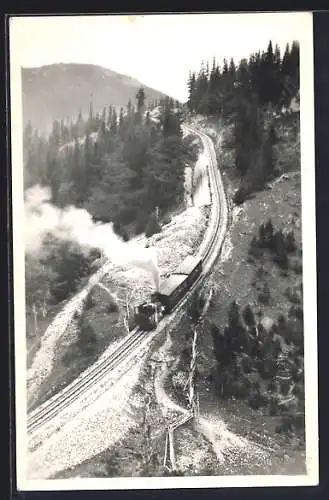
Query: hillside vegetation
x=255 y=324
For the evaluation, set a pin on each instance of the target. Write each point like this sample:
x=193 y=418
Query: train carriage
x=190 y=266
x=173 y=289
x=170 y=292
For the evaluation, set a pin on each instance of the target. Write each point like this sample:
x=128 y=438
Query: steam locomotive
x=163 y=301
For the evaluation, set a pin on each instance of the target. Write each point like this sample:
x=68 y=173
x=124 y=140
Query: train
x=148 y=314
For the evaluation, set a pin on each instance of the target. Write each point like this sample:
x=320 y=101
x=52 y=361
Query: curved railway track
x=209 y=251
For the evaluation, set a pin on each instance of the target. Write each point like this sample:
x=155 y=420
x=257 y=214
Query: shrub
x=257 y=400
x=267 y=368
x=112 y=307
x=87 y=341
x=248 y=316
x=238 y=387
x=297 y=266
x=247 y=363
x=294 y=333
x=260 y=272
x=268 y=235
x=273 y=406
x=264 y=296
x=70 y=265
x=90 y=301
x=293 y=295
x=280 y=257
x=289 y=242
x=240 y=196
x=254 y=249
x=296 y=312
x=152 y=227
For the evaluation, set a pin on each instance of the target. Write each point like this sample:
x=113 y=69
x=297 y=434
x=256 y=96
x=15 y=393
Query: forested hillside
x=126 y=169
x=117 y=167
x=250 y=96
x=58 y=91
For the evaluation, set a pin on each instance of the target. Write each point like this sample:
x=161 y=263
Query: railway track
x=209 y=251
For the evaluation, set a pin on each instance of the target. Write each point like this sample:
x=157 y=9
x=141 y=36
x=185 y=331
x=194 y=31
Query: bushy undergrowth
x=93 y=329
x=55 y=275
x=279 y=243
x=262 y=365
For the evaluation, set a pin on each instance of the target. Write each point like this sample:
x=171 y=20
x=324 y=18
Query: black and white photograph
x=163 y=203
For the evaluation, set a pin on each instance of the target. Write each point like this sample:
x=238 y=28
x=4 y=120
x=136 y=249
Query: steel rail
x=48 y=410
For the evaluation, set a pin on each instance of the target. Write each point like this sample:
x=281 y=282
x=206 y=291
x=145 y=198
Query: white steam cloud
x=76 y=225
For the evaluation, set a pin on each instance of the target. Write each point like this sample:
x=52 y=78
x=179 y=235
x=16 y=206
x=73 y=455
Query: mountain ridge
x=58 y=91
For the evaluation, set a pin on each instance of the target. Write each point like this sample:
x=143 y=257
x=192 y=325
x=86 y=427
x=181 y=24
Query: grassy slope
x=240 y=277
x=234 y=278
x=33 y=337
x=72 y=354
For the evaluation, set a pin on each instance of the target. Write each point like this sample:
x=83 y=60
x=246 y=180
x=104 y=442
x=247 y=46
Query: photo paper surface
x=164 y=251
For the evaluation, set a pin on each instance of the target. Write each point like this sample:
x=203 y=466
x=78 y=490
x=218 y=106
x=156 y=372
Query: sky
x=158 y=50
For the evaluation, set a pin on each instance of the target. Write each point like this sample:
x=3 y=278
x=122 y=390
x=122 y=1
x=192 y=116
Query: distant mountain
x=58 y=91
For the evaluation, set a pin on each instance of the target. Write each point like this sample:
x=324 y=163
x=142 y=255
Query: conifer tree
x=140 y=97
x=281 y=257
x=114 y=123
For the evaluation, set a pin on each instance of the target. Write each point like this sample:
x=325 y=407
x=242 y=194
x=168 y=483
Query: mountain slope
x=59 y=90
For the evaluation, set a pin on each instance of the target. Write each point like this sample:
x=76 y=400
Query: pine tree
x=140 y=97
x=249 y=316
x=280 y=252
x=191 y=92
x=232 y=68
x=268 y=234
x=294 y=65
x=80 y=128
x=129 y=108
x=114 y=123
x=261 y=233
x=236 y=330
x=121 y=122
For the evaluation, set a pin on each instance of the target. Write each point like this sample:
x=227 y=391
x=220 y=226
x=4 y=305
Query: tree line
x=248 y=95
x=267 y=76
x=119 y=166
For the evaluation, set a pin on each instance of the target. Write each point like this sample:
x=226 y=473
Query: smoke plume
x=76 y=225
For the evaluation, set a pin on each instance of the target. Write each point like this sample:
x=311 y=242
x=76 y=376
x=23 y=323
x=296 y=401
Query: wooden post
x=35 y=314
x=171 y=448
x=165 y=453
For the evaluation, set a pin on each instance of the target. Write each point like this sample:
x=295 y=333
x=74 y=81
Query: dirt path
x=169 y=408
x=227 y=446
